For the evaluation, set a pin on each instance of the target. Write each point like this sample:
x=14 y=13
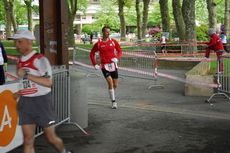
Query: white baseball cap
x=26 y=34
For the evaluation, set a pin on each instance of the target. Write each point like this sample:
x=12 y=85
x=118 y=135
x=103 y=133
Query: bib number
x=27 y=87
x=111 y=67
x=26 y=84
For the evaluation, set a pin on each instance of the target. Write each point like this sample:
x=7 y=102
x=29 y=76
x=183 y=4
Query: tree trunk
x=211 y=6
x=145 y=17
x=138 y=19
x=71 y=39
x=227 y=18
x=29 y=13
x=188 y=9
x=8 y=18
x=12 y=15
x=165 y=19
x=178 y=17
x=72 y=9
x=121 y=4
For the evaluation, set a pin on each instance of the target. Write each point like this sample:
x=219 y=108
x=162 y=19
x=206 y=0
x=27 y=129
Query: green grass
x=85 y=46
x=213 y=66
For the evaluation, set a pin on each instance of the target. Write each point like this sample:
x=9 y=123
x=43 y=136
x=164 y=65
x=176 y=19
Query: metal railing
x=60 y=95
x=222 y=78
x=143 y=63
x=183 y=48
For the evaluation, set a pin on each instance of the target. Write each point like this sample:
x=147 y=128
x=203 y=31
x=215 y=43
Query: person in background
x=3 y=64
x=109 y=53
x=91 y=38
x=216 y=45
x=35 y=105
x=163 y=44
x=223 y=38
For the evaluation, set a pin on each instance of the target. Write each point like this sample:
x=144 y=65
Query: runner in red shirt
x=109 y=54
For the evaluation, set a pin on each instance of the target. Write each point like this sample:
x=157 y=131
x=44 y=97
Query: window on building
x=83 y=17
x=78 y=17
x=94 y=17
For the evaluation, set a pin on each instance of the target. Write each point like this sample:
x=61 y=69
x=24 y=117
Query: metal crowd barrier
x=222 y=78
x=139 y=63
x=60 y=95
x=182 y=48
x=142 y=62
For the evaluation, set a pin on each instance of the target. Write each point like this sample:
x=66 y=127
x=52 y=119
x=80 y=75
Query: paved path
x=147 y=121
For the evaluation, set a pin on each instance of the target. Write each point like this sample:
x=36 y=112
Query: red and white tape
x=11 y=76
x=197 y=83
x=154 y=56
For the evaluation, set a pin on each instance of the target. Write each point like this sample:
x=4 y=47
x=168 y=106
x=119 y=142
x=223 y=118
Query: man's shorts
x=113 y=74
x=36 y=110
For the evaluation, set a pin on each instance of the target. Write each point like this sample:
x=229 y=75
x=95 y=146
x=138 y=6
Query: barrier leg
x=155 y=85
x=155 y=65
x=78 y=126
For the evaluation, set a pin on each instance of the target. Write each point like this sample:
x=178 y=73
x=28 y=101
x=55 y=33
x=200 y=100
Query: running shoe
x=114 y=105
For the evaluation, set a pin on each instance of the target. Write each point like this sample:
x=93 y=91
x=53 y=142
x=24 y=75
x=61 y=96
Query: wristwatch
x=25 y=75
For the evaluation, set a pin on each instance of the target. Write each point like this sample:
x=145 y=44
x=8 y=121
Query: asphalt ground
x=156 y=120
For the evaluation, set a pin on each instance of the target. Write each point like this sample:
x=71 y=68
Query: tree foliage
x=108 y=15
x=2 y=13
x=154 y=15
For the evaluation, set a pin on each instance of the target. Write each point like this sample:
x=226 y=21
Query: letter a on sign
x=8 y=117
x=6 y=120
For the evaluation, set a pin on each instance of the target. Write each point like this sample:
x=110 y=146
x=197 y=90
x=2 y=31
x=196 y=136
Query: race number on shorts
x=111 y=67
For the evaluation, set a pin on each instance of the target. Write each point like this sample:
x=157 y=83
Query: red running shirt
x=107 y=50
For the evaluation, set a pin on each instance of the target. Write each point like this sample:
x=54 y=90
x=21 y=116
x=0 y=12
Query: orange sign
x=8 y=117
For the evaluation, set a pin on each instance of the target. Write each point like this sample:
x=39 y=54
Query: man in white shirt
x=34 y=106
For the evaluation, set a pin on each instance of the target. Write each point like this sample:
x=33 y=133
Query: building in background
x=88 y=17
